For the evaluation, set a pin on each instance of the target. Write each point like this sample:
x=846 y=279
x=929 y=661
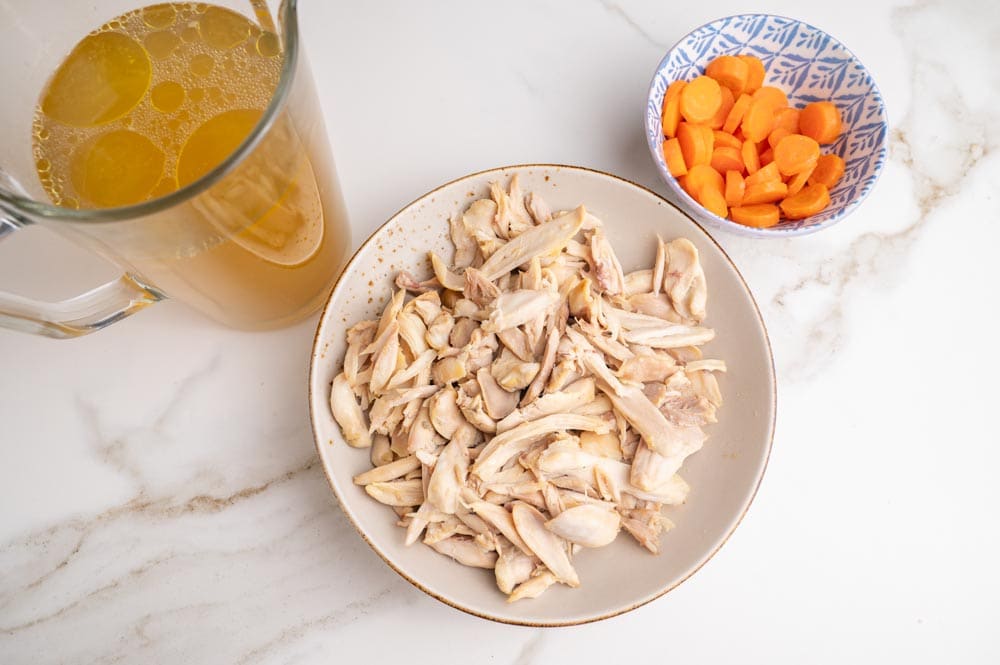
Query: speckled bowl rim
x=729 y=225
x=317 y=357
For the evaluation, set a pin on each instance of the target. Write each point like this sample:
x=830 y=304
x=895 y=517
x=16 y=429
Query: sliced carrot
x=766 y=157
x=760 y=216
x=776 y=135
x=766 y=173
x=713 y=200
x=750 y=159
x=758 y=121
x=730 y=71
x=736 y=114
x=755 y=72
x=700 y=176
x=674 y=158
x=671 y=108
x=724 y=139
x=769 y=191
x=700 y=99
x=820 y=121
x=776 y=96
x=810 y=200
x=795 y=153
x=696 y=143
x=787 y=118
x=798 y=181
x=727 y=159
x=725 y=107
x=829 y=169
x=735 y=188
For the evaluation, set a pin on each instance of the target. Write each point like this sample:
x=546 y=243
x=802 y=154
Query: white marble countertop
x=162 y=502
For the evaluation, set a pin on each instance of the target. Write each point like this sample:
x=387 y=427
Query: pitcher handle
x=77 y=316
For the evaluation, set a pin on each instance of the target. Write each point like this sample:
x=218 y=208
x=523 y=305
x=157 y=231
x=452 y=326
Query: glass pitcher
x=255 y=242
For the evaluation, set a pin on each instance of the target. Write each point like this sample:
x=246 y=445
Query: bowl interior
x=723 y=476
x=809 y=65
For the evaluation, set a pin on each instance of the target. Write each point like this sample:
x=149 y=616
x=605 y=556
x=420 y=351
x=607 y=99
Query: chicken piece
x=427 y=306
x=651 y=469
x=385 y=350
x=602 y=445
x=600 y=406
x=444 y=275
x=391 y=311
x=659 y=265
x=380 y=454
x=548 y=547
x=478 y=353
x=638 y=281
x=684 y=280
x=478 y=289
x=669 y=336
x=498 y=402
x=655 y=304
x=515 y=340
x=511 y=372
x=439 y=330
x=582 y=302
x=708 y=365
x=387 y=472
x=513 y=567
x=449 y=473
x=512 y=218
x=474 y=410
x=397 y=493
x=534 y=587
x=573 y=396
x=607 y=345
x=647 y=367
x=420 y=366
x=422 y=435
x=348 y=414
x=538 y=208
x=444 y=412
x=461 y=332
x=449 y=370
x=646 y=527
x=520 y=218
x=516 y=440
x=564 y=373
x=515 y=308
x=553 y=499
x=438 y=531
x=358 y=337
x=587 y=525
x=465 y=245
x=386 y=412
x=465 y=551
x=536 y=241
x=502 y=521
x=545 y=367
x=407 y=282
x=412 y=332
x=478 y=224
x=705 y=385
x=607 y=271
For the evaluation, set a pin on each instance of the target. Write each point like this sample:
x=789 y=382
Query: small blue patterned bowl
x=809 y=65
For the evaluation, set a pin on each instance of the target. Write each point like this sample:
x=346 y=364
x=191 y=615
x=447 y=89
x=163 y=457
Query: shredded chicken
x=531 y=398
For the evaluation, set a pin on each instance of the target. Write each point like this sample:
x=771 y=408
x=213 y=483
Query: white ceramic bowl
x=723 y=476
x=809 y=65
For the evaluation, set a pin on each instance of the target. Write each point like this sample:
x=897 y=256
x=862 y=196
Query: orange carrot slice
x=674 y=158
x=755 y=73
x=798 y=181
x=750 y=158
x=735 y=188
x=730 y=71
x=724 y=139
x=696 y=143
x=829 y=169
x=700 y=176
x=760 y=216
x=776 y=96
x=810 y=200
x=700 y=99
x=769 y=191
x=736 y=114
x=795 y=153
x=776 y=135
x=766 y=173
x=727 y=159
x=820 y=121
x=766 y=157
x=671 y=108
x=725 y=107
x=758 y=121
x=787 y=118
x=713 y=201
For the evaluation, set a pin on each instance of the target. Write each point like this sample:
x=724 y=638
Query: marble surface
x=162 y=502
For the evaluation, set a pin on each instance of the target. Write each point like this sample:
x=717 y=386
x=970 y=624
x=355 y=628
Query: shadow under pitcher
x=181 y=141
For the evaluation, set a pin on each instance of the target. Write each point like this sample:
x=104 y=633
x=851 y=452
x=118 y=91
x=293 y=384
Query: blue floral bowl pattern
x=809 y=65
